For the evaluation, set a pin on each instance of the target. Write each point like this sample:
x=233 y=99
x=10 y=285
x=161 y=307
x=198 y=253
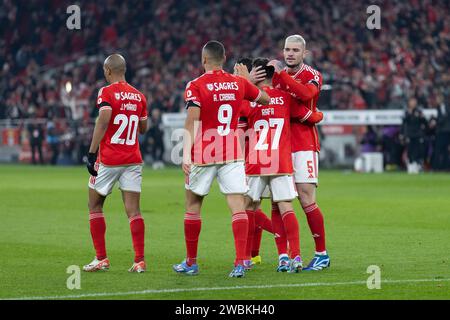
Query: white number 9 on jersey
x=124 y=122
x=224 y=116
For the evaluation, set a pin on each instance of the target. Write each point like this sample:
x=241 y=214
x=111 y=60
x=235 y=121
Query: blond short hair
x=296 y=38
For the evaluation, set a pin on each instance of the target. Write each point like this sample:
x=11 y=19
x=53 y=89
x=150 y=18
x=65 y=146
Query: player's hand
x=186 y=168
x=91 y=159
x=257 y=74
x=241 y=70
x=277 y=65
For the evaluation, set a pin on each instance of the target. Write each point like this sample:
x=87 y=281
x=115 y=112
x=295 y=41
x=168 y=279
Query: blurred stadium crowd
x=417 y=140
x=48 y=71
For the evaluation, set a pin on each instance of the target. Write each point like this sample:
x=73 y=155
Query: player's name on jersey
x=277 y=100
x=127 y=96
x=128 y=107
x=217 y=86
x=268 y=111
x=273 y=101
x=225 y=97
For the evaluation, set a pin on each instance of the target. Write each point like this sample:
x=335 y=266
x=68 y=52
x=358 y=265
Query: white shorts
x=306 y=166
x=266 y=193
x=129 y=177
x=281 y=187
x=230 y=176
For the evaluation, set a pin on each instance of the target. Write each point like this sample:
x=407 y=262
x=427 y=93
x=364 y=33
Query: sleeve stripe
x=143 y=118
x=105 y=108
x=259 y=96
x=307 y=116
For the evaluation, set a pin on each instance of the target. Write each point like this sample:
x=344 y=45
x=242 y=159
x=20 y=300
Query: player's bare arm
x=99 y=131
x=143 y=126
x=101 y=126
x=277 y=65
x=193 y=115
x=264 y=98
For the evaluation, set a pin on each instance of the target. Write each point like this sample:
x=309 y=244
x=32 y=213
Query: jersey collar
x=214 y=71
x=298 y=72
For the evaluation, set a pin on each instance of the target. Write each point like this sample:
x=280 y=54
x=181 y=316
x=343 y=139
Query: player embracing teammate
x=211 y=150
x=304 y=83
x=269 y=163
x=283 y=152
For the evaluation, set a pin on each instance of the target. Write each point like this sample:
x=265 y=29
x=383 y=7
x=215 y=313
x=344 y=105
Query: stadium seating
x=365 y=68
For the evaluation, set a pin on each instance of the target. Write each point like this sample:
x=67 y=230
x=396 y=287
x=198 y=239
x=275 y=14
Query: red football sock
x=278 y=230
x=292 y=231
x=261 y=220
x=256 y=241
x=192 y=227
x=137 y=228
x=98 y=229
x=250 y=234
x=240 y=232
x=316 y=224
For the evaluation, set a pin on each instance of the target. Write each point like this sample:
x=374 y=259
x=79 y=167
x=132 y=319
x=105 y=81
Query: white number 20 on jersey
x=124 y=122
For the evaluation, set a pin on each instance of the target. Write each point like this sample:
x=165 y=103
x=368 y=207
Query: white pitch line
x=157 y=291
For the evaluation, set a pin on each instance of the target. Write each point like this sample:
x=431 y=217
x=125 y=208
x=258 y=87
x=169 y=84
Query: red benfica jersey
x=219 y=95
x=304 y=136
x=269 y=136
x=243 y=124
x=120 y=145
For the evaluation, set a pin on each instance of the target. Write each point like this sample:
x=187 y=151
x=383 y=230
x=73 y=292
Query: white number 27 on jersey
x=124 y=122
x=263 y=126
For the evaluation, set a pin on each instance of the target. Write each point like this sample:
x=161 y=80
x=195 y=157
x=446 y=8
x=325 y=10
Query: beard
x=293 y=66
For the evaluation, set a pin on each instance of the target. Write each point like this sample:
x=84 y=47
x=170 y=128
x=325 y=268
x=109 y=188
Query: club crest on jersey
x=210 y=86
x=117 y=95
x=253 y=104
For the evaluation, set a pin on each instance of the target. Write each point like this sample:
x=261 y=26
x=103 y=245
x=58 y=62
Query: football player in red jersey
x=250 y=115
x=114 y=156
x=257 y=219
x=269 y=162
x=304 y=83
x=211 y=149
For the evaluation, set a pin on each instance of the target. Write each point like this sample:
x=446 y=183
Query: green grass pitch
x=398 y=222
